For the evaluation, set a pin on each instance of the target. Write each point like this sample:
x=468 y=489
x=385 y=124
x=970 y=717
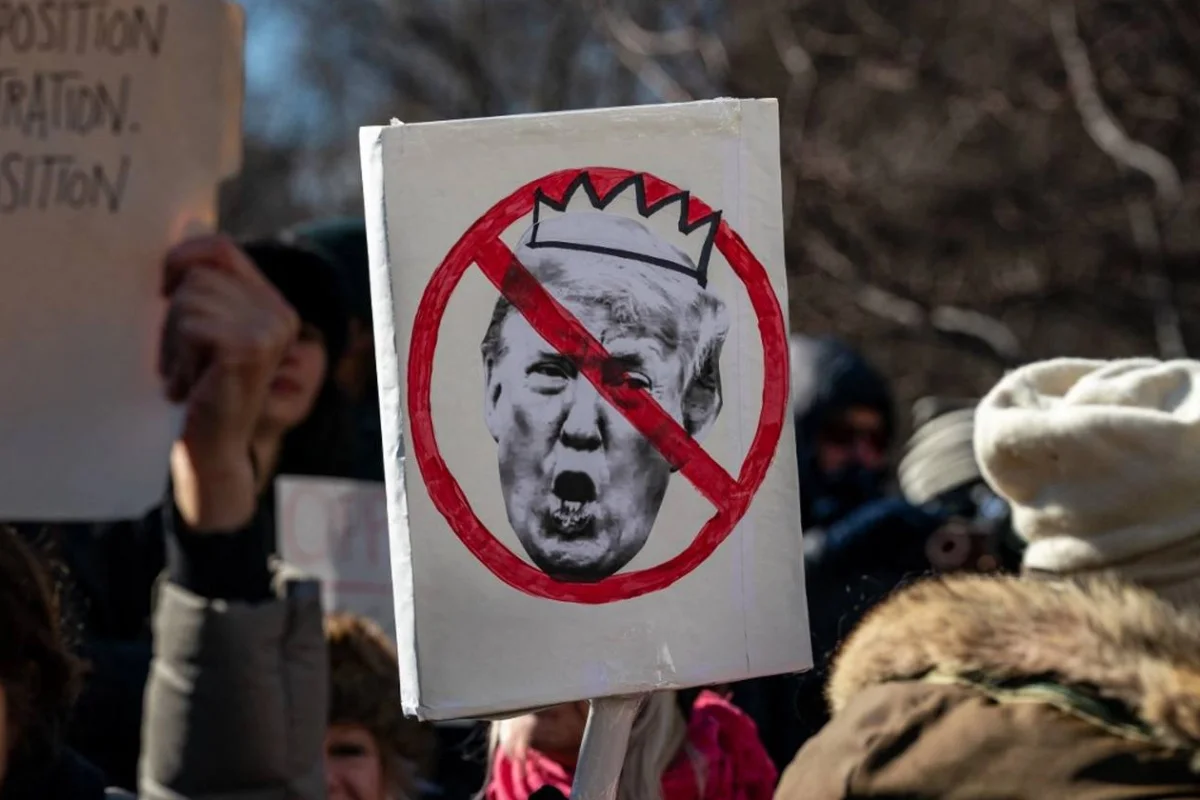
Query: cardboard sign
x=581 y=337
x=337 y=530
x=118 y=120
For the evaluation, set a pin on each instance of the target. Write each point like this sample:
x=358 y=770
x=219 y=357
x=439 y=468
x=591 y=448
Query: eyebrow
x=347 y=749
x=629 y=360
x=633 y=350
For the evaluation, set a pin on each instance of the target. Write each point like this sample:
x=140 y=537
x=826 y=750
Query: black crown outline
x=645 y=209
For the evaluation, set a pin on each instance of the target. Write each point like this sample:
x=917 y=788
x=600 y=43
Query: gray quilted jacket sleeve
x=236 y=702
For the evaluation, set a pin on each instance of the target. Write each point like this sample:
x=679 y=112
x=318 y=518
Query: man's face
x=855 y=438
x=582 y=487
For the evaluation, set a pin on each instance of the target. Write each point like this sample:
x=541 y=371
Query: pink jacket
x=721 y=737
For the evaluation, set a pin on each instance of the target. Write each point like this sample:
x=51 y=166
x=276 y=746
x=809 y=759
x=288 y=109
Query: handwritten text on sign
x=337 y=530
x=38 y=104
x=118 y=121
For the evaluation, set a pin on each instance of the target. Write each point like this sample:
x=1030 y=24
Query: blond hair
x=658 y=736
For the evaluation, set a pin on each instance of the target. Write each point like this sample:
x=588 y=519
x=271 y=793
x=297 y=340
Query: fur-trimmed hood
x=1121 y=643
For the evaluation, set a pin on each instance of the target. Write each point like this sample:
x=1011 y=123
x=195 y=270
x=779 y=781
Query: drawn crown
x=639 y=195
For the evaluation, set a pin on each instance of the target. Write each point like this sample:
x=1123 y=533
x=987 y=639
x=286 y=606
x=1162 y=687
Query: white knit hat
x=1101 y=463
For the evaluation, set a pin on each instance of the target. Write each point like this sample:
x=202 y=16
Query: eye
x=347 y=750
x=549 y=375
x=636 y=380
x=549 y=369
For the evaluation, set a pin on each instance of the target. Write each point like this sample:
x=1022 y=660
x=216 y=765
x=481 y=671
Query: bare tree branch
x=1168 y=329
x=653 y=76
x=1104 y=129
x=802 y=83
x=566 y=36
x=1187 y=23
x=636 y=58
x=871 y=22
x=1110 y=137
x=998 y=337
x=678 y=41
x=459 y=54
x=992 y=335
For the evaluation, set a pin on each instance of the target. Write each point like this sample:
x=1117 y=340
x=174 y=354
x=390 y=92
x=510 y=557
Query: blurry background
x=967 y=185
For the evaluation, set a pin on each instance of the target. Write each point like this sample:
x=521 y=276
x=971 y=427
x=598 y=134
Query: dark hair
x=344 y=242
x=40 y=674
x=323 y=444
x=829 y=377
x=310 y=283
x=364 y=682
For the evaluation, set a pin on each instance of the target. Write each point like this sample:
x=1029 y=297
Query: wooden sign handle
x=605 y=740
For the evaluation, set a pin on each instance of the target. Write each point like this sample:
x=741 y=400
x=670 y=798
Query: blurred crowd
x=1000 y=606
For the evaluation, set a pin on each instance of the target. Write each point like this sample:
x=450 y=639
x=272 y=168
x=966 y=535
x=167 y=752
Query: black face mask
x=837 y=494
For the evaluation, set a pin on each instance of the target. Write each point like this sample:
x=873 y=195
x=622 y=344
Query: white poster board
x=337 y=531
x=600 y=470
x=117 y=122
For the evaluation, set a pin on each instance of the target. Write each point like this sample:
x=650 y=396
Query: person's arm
x=236 y=701
x=232 y=566
x=226 y=333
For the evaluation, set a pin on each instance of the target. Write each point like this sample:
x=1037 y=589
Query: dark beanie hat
x=307 y=280
x=829 y=376
x=344 y=242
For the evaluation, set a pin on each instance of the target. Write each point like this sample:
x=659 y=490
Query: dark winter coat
x=236 y=707
x=976 y=687
x=55 y=774
x=237 y=701
x=859 y=544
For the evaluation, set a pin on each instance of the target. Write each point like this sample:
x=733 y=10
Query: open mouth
x=573 y=508
x=572 y=519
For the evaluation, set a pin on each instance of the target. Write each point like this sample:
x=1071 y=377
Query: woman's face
x=558 y=731
x=353 y=766
x=298 y=380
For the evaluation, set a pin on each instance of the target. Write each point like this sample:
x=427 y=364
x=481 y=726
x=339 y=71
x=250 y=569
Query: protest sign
x=581 y=338
x=118 y=120
x=337 y=531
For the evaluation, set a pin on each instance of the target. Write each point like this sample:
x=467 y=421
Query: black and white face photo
x=582 y=487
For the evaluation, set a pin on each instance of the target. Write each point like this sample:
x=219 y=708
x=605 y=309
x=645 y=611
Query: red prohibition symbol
x=481 y=245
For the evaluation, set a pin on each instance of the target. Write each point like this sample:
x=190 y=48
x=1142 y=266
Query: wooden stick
x=605 y=740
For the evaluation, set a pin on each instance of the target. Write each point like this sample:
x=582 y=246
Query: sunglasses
x=841 y=433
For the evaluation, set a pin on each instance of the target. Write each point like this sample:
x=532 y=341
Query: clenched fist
x=226 y=332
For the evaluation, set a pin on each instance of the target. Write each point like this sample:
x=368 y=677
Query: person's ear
x=492 y=392
x=702 y=398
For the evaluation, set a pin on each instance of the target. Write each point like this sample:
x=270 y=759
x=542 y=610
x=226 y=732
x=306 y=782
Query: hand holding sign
x=226 y=332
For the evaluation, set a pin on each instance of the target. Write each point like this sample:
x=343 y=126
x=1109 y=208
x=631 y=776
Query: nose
x=290 y=354
x=583 y=428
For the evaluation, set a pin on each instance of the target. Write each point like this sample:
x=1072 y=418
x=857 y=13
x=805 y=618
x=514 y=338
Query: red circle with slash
x=481 y=245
